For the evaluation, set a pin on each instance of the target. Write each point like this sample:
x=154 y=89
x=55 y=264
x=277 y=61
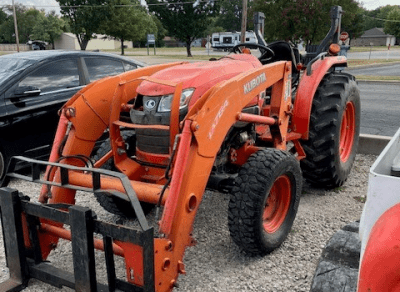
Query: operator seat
x=285 y=52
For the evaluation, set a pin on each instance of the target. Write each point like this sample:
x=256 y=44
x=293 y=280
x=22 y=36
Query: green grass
x=361 y=199
x=339 y=189
x=373 y=48
x=361 y=62
x=377 y=78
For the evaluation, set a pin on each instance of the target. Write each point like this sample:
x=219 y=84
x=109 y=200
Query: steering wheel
x=266 y=53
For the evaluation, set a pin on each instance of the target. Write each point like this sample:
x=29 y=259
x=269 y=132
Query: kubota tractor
x=244 y=125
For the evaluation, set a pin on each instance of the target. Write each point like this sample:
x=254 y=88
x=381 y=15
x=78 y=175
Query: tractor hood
x=200 y=75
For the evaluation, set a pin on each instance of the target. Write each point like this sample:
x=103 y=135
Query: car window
x=56 y=75
x=129 y=67
x=9 y=64
x=101 y=67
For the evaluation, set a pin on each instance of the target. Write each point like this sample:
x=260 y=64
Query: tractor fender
x=380 y=265
x=306 y=91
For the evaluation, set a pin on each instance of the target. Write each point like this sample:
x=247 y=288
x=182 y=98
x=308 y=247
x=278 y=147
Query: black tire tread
x=337 y=269
x=320 y=167
x=249 y=193
x=114 y=205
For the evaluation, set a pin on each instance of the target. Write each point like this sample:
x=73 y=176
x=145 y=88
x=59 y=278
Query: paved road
x=389 y=70
x=380 y=108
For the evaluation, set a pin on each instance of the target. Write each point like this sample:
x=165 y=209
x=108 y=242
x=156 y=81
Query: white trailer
x=227 y=40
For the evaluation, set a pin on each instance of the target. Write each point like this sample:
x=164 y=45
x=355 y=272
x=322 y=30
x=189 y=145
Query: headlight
x=166 y=100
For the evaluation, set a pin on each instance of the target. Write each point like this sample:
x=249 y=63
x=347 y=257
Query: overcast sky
x=53 y=5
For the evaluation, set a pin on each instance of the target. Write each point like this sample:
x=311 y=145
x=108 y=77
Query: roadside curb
x=372 y=144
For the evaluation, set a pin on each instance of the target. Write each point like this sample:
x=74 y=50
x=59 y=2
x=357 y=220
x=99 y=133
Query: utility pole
x=15 y=26
x=244 y=21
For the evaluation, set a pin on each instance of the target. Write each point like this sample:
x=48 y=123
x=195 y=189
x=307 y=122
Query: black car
x=34 y=86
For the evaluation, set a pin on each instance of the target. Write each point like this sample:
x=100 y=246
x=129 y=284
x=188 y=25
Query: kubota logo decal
x=254 y=83
x=217 y=118
x=150 y=104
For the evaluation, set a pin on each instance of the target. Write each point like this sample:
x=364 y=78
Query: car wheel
x=4 y=159
x=110 y=203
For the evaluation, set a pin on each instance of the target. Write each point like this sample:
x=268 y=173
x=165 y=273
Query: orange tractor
x=244 y=125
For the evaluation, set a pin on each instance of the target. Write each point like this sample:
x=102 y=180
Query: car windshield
x=14 y=64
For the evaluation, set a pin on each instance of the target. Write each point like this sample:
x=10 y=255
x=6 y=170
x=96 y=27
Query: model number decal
x=217 y=118
x=254 y=83
x=288 y=89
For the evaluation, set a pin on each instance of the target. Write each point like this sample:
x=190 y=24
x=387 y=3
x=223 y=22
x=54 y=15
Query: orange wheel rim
x=277 y=204
x=347 y=131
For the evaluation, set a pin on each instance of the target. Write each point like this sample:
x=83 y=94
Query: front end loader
x=243 y=125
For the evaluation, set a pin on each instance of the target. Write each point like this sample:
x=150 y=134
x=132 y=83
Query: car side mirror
x=26 y=91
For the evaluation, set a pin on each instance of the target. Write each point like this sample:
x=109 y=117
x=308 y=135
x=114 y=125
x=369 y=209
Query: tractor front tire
x=334 y=131
x=109 y=203
x=264 y=201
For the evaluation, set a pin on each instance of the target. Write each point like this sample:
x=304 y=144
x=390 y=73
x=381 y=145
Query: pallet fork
x=24 y=258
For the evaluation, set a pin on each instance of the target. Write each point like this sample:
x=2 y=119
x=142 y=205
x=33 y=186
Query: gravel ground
x=216 y=263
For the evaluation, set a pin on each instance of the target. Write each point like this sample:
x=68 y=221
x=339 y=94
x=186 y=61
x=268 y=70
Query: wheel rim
x=347 y=131
x=277 y=204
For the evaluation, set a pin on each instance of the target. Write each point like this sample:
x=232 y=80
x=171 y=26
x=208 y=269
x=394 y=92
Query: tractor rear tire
x=334 y=131
x=264 y=201
x=109 y=203
x=337 y=269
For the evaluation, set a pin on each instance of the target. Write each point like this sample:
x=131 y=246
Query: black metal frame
x=25 y=264
x=129 y=195
x=316 y=51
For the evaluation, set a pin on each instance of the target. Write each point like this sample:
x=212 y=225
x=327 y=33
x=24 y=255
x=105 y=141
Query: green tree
x=355 y=28
x=352 y=18
x=392 y=25
x=49 y=28
x=85 y=17
x=3 y=19
x=230 y=15
x=128 y=22
x=161 y=31
x=185 y=20
x=26 y=18
x=25 y=25
x=213 y=27
x=3 y=16
x=307 y=20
